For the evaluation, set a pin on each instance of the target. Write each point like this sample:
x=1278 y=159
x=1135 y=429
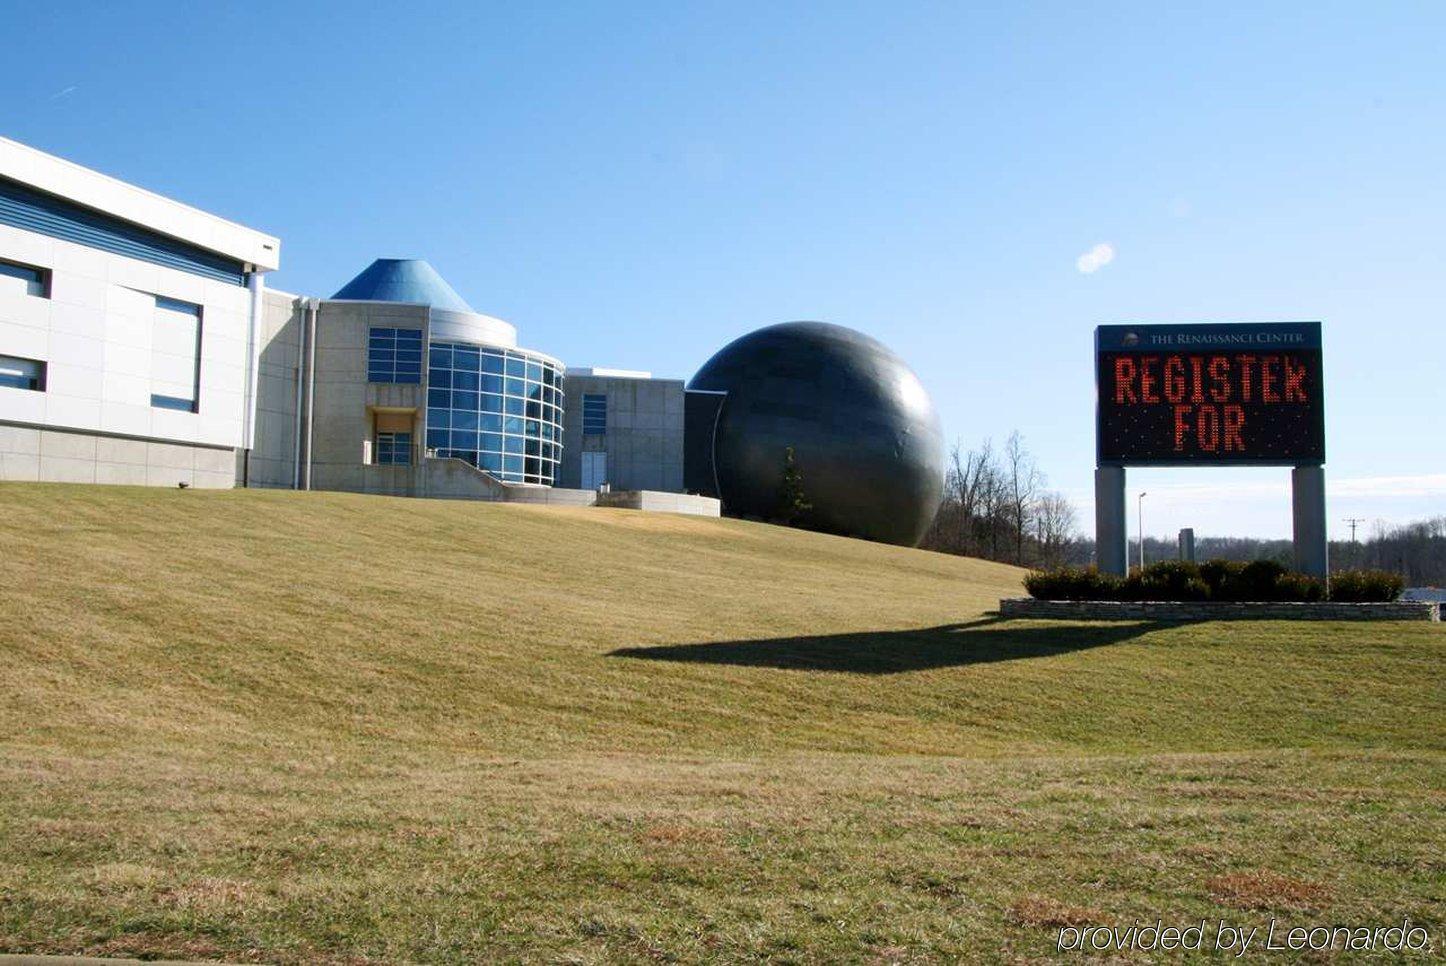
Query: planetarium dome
x=865 y=435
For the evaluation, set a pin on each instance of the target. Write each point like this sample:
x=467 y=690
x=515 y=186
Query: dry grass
x=1262 y=889
x=282 y=727
x=1042 y=912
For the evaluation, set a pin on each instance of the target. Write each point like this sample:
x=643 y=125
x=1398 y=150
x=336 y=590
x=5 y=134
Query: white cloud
x=1096 y=258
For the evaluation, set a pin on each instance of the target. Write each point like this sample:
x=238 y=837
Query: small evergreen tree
x=793 y=506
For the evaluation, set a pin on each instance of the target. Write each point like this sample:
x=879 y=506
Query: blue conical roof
x=403 y=280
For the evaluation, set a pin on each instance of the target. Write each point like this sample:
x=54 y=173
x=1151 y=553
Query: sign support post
x=1111 y=540
x=1308 y=513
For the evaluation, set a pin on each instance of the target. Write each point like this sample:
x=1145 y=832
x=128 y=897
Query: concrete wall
x=653 y=501
x=56 y=455
x=272 y=461
x=454 y=479
x=644 y=439
x=345 y=403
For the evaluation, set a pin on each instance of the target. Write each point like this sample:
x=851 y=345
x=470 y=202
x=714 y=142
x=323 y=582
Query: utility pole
x=1355 y=556
x=1142 y=528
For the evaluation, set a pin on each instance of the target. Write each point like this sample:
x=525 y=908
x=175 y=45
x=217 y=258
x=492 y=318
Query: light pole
x=1141 y=516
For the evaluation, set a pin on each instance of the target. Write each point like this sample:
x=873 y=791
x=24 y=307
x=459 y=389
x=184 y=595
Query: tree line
x=996 y=505
x=1416 y=551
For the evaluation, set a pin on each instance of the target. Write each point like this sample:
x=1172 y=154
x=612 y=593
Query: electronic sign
x=1236 y=394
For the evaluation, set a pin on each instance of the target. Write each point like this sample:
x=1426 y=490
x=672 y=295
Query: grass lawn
x=324 y=727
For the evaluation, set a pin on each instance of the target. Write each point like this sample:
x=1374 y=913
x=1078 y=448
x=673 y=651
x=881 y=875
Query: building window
x=594 y=414
x=20 y=279
x=394 y=355
x=22 y=373
x=175 y=355
x=394 y=449
x=498 y=409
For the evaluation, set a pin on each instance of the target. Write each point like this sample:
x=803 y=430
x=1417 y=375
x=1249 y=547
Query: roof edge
x=119 y=199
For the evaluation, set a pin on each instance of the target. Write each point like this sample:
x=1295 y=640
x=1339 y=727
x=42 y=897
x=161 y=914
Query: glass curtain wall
x=498 y=409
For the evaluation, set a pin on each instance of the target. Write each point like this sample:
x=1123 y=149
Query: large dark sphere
x=865 y=436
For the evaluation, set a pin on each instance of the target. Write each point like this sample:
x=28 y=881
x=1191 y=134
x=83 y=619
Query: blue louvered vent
x=23 y=207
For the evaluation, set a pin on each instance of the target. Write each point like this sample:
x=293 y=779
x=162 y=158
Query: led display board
x=1201 y=395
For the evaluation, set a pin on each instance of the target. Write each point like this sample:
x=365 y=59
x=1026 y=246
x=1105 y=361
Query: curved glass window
x=498 y=409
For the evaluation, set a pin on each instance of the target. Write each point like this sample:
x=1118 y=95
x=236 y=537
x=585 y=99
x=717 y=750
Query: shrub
x=1169 y=580
x=1222 y=577
x=1258 y=580
x=1366 y=586
x=793 y=507
x=1072 y=583
x=1224 y=580
x=1299 y=587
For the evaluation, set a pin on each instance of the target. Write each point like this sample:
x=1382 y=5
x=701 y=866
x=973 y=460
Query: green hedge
x=1366 y=585
x=1222 y=580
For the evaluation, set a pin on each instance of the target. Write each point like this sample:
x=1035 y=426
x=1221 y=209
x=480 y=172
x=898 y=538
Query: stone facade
x=1400 y=610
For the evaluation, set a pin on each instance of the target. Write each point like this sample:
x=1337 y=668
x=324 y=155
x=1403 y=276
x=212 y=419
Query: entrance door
x=594 y=470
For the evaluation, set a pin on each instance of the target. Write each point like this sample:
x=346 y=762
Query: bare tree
x=954 y=521
x=992 y=508
x=1055 y=528
x=1022 y=482
x=977 y=476
x=967 y=522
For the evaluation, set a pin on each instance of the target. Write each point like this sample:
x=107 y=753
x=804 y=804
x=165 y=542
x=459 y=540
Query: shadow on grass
x=982 y=641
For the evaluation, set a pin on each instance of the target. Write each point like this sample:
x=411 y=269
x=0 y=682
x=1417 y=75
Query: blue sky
x=633 y=185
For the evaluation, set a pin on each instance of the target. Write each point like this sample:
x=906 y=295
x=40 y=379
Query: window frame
x=38 y=383
x=42 y=274
x=394 y=447
x=594 y=420
x=392 y=365
x=177 y=403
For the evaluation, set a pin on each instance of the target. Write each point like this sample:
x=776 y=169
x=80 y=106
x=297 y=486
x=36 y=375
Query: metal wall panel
x=45 y=214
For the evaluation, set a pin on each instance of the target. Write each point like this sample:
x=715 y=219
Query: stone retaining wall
x=1401 y=610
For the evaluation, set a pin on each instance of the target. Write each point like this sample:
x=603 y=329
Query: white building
x=138 y=345
x=129 y=330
